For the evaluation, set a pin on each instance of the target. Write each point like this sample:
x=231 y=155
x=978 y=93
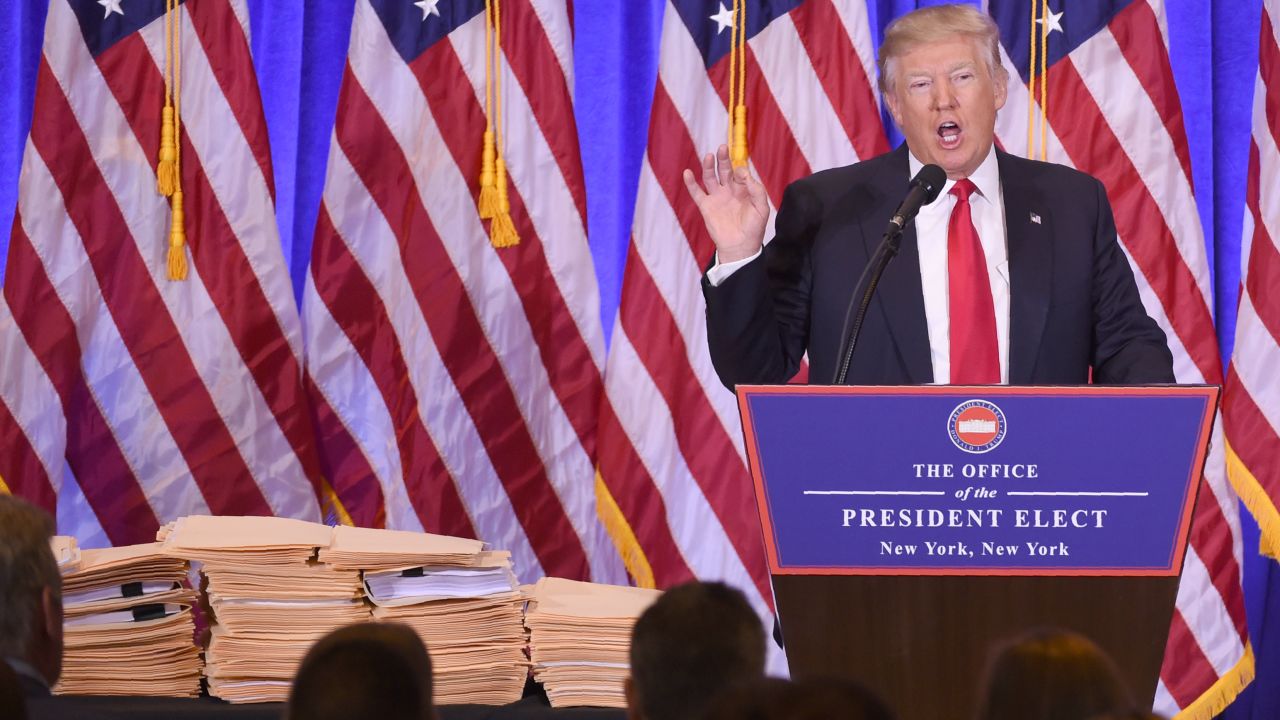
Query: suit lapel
x=900 y=296
x=1029 y=233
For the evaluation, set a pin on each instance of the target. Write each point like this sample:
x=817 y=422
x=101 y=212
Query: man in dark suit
x=1013 y=275
x=30 y=597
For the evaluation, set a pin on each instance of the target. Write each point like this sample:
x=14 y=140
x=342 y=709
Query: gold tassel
x=738 y=86
x=502 y=232
x=733 y=73
x=166 y=174
x=738 y=155
x=169 y=167
x=496 y=205
x=177 y=241
x=489 y=201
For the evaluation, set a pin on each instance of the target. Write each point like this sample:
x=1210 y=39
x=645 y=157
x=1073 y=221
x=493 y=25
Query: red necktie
x=975 y=353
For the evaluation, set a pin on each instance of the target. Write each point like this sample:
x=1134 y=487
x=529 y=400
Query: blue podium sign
x=995 y=480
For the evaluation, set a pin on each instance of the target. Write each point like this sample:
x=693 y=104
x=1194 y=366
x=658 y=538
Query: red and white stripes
x=165 y=398
x=1251 y=409
x=467 y=380
x=1114 y=112
x=673 y=462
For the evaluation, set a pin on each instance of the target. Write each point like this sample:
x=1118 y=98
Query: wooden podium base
x=922 y=642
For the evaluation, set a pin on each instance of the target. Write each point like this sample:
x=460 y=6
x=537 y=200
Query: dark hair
x=697 y=639
x=377 y=670
x=1052 y=674
x=811 y=699
x=27 y=567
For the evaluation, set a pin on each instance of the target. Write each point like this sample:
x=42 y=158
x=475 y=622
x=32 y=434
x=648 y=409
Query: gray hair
x=27 y=567
x=934 y=24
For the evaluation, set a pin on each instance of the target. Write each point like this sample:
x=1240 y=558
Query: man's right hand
x=734 y=206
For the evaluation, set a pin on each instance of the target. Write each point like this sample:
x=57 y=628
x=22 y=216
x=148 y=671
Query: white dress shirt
x=987 y=211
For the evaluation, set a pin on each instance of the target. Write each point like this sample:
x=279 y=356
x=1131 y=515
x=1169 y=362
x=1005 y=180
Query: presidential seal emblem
x=976 y=426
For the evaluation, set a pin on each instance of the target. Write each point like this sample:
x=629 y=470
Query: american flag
x=1251 y=407
x=457 y=386
x=129 y=399
x=679 y=496
x=1113 y=112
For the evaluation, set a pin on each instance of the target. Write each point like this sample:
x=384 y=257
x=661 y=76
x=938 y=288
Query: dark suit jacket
x=29 y=686
x=1073 y=302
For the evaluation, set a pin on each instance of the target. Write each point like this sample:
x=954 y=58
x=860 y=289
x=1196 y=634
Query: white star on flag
x=112 y=6
x=1054 y=21
x=724 y=19
x=429 y=8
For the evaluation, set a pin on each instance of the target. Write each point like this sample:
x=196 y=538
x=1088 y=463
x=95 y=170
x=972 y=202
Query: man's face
x=945 y=101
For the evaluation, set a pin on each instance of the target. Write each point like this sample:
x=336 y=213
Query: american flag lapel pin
x=1035 y=218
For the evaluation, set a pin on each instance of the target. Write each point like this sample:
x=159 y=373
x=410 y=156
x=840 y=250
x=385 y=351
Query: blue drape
x=300 y=47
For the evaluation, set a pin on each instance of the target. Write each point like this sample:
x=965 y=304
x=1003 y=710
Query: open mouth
x=949 y=135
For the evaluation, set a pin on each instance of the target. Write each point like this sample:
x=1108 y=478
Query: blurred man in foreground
x=696 y=640
x=374 y=670
x=30 y=597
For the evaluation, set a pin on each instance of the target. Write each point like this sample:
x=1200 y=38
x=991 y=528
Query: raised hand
x=734 y=206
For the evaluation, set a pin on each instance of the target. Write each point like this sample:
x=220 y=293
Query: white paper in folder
x=127 y=590
x=139 y=614
x=438 y=583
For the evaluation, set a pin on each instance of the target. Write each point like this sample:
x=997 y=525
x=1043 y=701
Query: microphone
x=925 y=187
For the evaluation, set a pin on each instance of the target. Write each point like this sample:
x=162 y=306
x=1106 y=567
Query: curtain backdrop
x=300 y=48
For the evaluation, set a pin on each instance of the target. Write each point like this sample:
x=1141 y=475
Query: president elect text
x=968 y=518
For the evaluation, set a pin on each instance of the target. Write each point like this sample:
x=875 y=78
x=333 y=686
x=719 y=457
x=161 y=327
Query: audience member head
x=372 y=670
x=30 y=589
x=1052 y=674
x=776 y=699
x=696 y=640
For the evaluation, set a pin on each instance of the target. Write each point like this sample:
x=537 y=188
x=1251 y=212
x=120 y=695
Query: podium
x=909 y=531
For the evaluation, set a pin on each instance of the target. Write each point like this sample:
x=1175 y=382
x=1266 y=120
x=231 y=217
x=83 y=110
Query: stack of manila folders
x=127 y=622
x=270 y=598
x=275 y=585
x=580 y=639
x=463 y=602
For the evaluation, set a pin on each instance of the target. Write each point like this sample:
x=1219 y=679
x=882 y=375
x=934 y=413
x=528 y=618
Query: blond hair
x=935 y=24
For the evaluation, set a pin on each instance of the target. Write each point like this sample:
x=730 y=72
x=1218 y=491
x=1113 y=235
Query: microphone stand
x=885 y=252
x=924 y=189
